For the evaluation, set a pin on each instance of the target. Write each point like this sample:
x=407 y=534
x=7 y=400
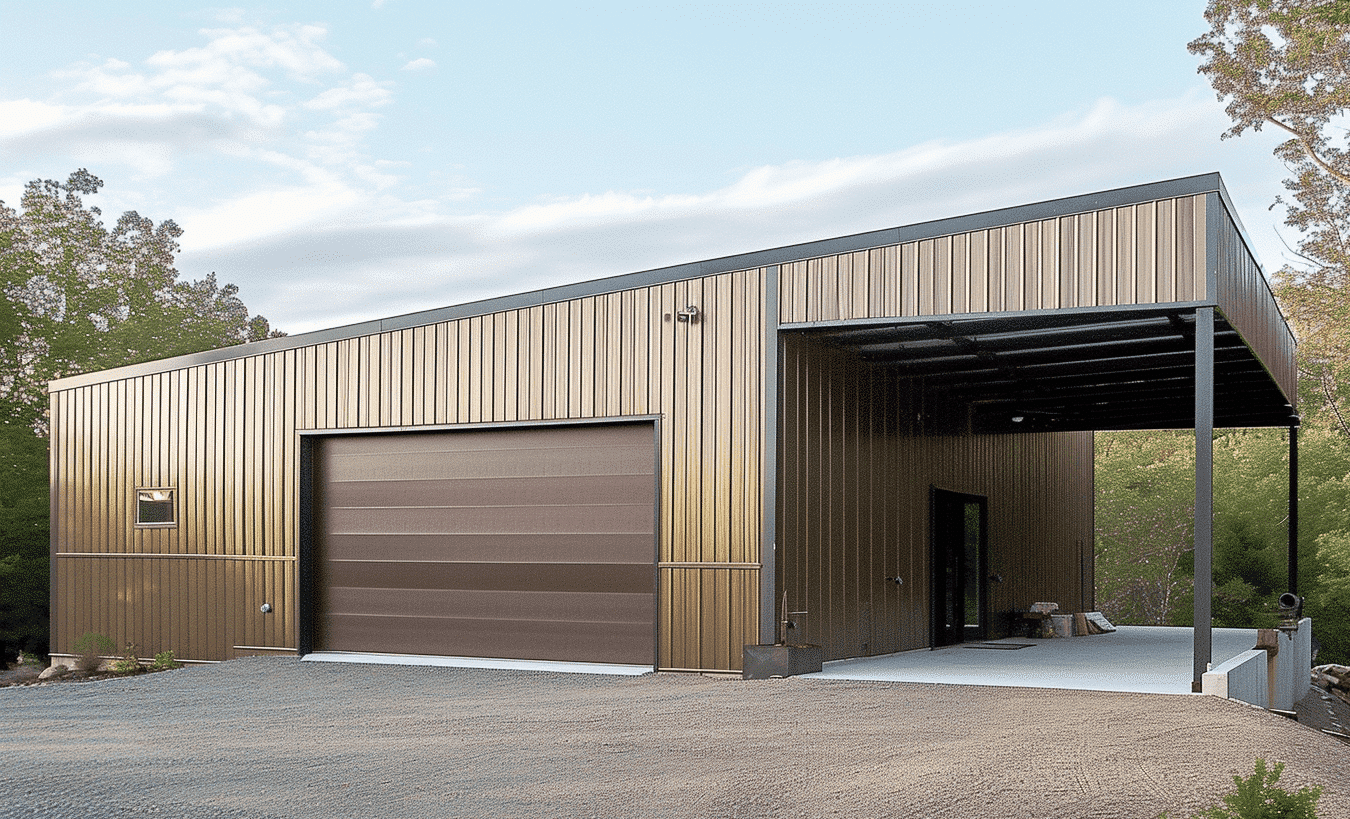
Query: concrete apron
x=1136 y=659
x=372 y=658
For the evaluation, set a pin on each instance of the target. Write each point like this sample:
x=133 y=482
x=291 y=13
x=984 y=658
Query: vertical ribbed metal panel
x=1245 y=299
x=1135 y=254
x=225 y=436
x=855 y=468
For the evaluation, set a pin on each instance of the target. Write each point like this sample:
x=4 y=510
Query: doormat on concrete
x=1000 y=646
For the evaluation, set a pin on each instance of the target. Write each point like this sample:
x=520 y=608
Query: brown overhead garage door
x=534 y=543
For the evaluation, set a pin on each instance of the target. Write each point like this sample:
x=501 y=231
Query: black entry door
x=959 y=567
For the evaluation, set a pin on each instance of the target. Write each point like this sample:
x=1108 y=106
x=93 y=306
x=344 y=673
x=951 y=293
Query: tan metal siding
x=1244 y=297
x=855 y=467
x=1135 y=254
x=225 y=436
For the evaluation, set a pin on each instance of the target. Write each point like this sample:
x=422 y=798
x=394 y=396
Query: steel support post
x=768 y=542
x=1293 y=504
x=1204 y=491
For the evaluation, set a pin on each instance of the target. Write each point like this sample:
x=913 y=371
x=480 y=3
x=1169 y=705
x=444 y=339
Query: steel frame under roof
x=1066 y=371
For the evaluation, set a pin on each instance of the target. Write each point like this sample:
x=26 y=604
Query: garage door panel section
x=451 y=521
x=535 y=639
x=489 y=547
x=468 y=604
x=536 y=543
x=516 y=577
x=515 y=462
x=478 y=491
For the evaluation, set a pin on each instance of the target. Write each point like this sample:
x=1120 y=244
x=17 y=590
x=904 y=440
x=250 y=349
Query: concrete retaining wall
x=1242 y=678
x=1290 y=667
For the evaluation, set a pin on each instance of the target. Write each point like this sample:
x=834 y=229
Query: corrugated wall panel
x=1135 y=254
x=855 y=470
x=225 y=435
x=1244 y=297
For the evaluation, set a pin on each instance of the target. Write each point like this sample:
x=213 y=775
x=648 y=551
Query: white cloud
x=419 y=64
x=363 y=90
x=383 y=256
x=266 y=213
x=254 y=100
x=294 y=49
x=26 y=116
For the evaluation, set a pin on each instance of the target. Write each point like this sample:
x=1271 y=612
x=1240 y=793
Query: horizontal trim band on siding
x=463 y=619
x=735 y=671
x=1083 y=203
x=707 y=565
x=265 y=648
x=167 y=555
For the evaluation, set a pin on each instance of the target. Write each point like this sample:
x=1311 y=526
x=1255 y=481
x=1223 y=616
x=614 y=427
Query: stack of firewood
x=1333 y=678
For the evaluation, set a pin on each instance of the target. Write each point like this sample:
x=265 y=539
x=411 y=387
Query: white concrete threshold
x=475 y=662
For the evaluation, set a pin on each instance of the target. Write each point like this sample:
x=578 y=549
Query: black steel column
x=771 y=391
x=1293 y=504
x=1204 y=491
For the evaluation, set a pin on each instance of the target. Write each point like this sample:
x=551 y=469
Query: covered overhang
x=1140 y=308
x=1069 y=370
x=1136 y=367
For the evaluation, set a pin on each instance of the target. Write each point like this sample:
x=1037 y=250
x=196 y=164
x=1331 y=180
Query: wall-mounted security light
x=1017 y=419
x=689 y=314
x=265 y=608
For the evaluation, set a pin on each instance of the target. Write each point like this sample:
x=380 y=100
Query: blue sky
x=346 y=161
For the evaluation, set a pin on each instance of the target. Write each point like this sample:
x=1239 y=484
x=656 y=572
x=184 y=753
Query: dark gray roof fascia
x=1135 y=194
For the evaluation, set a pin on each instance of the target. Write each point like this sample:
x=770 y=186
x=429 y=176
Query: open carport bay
x=264 y=737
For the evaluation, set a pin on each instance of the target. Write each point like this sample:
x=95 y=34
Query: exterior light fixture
x=265 y=608
x=689 y=314
x=1017 y=419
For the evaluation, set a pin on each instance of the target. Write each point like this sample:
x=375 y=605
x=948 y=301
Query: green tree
x=1145 y=497
x=1286 y=63
x=1145 y=503
x=24 y=531
x=76 y=296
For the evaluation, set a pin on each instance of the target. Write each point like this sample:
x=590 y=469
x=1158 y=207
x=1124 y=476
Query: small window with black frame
x=154 y=507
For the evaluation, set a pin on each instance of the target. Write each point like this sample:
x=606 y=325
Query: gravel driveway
x=265 y=737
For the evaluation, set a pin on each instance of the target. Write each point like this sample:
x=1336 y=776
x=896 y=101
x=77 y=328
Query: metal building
x=890 y=431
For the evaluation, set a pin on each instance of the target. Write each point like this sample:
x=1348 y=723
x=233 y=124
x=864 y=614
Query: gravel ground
x=264 y=737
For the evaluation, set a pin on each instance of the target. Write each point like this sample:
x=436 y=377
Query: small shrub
x=129 y=664
x=164 y=660
x=1258 y=797
x=29 y=658
x=90 y=649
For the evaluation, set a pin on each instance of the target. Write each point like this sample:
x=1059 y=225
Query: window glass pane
x=154 y=506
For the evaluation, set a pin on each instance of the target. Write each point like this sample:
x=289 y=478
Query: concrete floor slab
x=1138 y=659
